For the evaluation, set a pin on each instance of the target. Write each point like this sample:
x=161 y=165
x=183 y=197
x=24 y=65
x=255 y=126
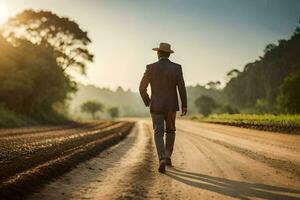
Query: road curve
x=210 y=162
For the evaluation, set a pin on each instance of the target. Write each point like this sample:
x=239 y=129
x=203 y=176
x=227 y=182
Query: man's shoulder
x=159 y=63
x=152 y=64
x=175 y=64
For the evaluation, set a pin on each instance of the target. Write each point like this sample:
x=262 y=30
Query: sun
x=3 y=13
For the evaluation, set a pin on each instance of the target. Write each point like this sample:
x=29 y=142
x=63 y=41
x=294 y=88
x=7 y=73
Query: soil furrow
x=26 y=181
x=37 y=130
x=23 y=159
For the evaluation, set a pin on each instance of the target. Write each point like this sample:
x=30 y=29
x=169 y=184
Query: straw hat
x=165 y=47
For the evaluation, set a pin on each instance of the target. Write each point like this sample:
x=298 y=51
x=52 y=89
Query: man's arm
x=182 y=92
x=143 y=86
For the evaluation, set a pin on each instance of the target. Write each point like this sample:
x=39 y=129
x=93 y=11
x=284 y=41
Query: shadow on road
x=236 y=189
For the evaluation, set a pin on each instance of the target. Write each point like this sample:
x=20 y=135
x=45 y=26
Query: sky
x=209 y=37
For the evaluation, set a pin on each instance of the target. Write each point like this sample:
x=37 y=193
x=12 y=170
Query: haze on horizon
x=209 y=37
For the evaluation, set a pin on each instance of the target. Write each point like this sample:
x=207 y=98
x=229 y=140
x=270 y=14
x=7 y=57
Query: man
x=164 y=78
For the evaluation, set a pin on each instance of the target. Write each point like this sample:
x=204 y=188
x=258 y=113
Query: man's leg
x=158 y=127
x=170 y=134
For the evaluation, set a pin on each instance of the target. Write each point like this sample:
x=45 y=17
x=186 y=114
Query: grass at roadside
x=9 y=119
x=279 y=123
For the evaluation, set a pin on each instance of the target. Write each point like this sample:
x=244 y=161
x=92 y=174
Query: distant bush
x=205 y=105
x=113 y=112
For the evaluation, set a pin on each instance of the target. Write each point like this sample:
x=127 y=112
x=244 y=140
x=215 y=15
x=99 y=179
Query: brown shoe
x=162 y=166
x=168 y=162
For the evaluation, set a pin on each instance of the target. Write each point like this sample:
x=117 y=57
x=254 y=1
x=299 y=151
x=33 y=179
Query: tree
x=36 y=49
x=195 y=91
x=120 y=90
x=64 y=35
x=232 y=74
x=92 y=107
x=213 y=85
x=31 y=83
x=262 y=79
x=289 y=97
x=114 y=112
x=229 y=109
x=262 y=106
x=205 y=104
x=269 y=48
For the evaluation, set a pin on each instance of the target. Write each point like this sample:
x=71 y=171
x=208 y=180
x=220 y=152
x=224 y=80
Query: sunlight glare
x=3 y=13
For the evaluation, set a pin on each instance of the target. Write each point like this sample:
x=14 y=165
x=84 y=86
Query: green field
x=281 y=123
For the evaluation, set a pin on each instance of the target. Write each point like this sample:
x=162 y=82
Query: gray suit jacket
x=164 y=78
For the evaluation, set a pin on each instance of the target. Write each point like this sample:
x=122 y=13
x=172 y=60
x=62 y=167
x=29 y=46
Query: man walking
x=164 y=78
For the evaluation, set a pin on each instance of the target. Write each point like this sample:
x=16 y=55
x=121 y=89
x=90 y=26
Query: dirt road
x=210 y=162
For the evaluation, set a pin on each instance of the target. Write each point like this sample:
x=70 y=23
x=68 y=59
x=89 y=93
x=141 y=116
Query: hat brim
x=158 y=49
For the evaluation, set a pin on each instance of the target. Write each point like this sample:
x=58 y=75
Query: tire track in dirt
x=285 y=165
x=142 y=176
x=124 y=171
x=208 y=170
x=277 y=144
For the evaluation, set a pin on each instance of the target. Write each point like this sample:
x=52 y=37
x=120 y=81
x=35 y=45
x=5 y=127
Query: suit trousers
x=164 y=122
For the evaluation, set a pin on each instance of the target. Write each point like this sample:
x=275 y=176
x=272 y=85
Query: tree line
x=37 y=48
x=270 y=84
x=129 y=103
x=94 y=107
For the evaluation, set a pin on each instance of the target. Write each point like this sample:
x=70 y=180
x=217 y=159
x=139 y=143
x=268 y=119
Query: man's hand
x=183 y=111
